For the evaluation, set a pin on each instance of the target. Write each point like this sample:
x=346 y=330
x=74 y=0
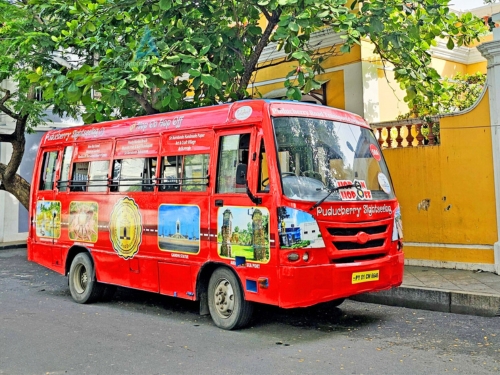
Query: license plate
x=363 y=277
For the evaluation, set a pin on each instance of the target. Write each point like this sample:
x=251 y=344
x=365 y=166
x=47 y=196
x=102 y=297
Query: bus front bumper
x=308 y=285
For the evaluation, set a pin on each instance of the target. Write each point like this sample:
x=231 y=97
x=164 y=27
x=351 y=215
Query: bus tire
x=227 y=305
x=83 y=285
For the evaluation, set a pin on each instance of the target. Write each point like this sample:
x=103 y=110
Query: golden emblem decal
x=125 y=228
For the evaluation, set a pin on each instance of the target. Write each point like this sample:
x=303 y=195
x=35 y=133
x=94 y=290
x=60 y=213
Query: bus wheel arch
x=202 y=281
x=226 y=299
x=83 y=284
x=72 y=253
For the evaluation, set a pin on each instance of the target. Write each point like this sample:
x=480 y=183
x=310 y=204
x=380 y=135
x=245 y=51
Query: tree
x=133 y=57
x=459 y=93
x=25 y=50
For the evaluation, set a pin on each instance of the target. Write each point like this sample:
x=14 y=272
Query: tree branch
x=7 y=138
x=254 y=58
x=143 y=102
x=4 y=108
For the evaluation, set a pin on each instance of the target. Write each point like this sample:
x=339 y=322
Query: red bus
x=258 y=201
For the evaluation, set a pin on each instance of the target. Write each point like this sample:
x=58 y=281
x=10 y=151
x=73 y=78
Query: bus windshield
x=317 y=156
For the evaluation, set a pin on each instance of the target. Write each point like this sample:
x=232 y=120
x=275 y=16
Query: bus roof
x=241 y=112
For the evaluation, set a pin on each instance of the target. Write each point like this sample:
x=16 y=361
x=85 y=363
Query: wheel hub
x=224 y=298
x=81 y=279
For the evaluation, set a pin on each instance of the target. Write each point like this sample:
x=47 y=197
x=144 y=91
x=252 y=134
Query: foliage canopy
x=107 y=59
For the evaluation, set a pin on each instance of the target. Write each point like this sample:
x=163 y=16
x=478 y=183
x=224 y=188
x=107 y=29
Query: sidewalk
x=426 y=288
x=442 y=289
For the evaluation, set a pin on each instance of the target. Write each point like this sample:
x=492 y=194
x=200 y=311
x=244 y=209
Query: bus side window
x=195 y=173
x=48 y=170
x=188 y=173
x=63 y=182
x=80 y=177
x=98 y=176
x=170 y=173
x=263 y=170
x=135 y=174
x=233 y=152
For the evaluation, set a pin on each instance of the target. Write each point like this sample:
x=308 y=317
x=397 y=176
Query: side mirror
x=241 y=174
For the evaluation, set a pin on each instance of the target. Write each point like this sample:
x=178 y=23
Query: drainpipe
x=491 y=52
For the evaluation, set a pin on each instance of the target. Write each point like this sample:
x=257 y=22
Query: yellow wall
x=478 y=67
x=391 y=97
x=335 y=96
x=457 y=178
x=335 y=89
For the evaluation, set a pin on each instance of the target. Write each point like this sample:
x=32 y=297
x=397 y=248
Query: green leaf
x=376 y=25
x=194 y=73
x=33 y=77
x=91 y=27
x=293 y=26
x=74 y=93
x=165 y=4
x=450 y=44
x=207 y=79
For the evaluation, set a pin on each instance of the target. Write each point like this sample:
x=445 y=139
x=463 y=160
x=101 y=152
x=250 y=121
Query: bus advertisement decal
x=358 y=190
x=125 y=228
x=83 y=221
x=243 y=232
x=298 y=229
x=179 y=228
x=48 y=219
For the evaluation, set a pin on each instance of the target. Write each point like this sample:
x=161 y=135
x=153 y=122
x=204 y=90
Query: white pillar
x=491 y=51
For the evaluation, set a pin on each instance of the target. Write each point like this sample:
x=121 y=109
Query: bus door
x=46 y=220
x=240 y=210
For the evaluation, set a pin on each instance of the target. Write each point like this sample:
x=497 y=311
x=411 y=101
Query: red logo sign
x=375 y=152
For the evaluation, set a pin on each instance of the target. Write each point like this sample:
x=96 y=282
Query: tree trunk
x=9 y=180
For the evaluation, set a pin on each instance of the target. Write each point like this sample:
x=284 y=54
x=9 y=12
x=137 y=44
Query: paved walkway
x=453 y=280
x=443 y=289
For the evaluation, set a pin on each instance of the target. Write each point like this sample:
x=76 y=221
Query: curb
x=14 y=245
x=436 y=300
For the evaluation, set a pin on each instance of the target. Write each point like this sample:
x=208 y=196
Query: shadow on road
x=323 y=317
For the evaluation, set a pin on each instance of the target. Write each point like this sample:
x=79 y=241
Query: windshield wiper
x=330 y=192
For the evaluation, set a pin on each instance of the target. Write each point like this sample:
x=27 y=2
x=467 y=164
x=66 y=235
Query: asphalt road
x=42 y=331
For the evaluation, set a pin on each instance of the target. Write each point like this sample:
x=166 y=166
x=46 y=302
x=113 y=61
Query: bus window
x=171 y=173
x=233 y=151
x=98 y=175
x=195 y=173
x=48 y=170
x=66 y=163
x=135 y=174
x=80 y=176
x=263 y=170
x=188 y=173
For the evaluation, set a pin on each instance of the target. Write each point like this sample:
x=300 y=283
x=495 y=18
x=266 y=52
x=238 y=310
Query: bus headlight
x=305 y=257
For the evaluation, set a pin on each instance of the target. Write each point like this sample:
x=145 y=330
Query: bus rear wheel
x=227 y=305
x=83 y=285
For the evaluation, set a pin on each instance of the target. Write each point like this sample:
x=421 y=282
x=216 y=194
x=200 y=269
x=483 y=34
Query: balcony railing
x=406 y=133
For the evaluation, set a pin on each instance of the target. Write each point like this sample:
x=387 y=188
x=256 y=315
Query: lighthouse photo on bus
x=179 y=228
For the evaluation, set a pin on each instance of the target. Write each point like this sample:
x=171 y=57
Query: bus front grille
x=355 y=230
x=351 y=245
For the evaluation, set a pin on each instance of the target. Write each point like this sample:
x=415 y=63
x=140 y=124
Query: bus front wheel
x=227 y=305
x=83 y=285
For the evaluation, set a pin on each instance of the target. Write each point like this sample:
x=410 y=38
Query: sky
x=465 y=4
